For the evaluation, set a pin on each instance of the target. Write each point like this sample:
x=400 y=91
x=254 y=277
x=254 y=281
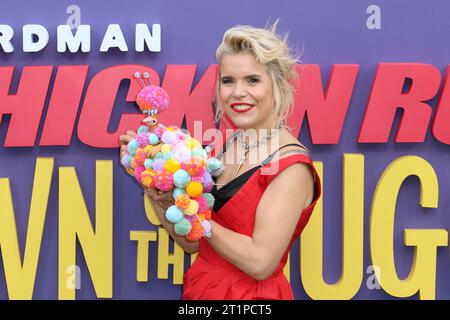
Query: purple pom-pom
x=125 y=161
x=158 y=164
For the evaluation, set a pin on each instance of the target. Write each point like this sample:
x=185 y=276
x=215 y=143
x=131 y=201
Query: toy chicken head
x=151 y=100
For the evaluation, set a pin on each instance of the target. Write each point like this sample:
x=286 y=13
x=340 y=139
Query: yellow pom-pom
x=172 y=165
x=194 y=189
x=192 y=208
x=133 y=164
x=166 y=148
x=191 y=143
x=147 y=178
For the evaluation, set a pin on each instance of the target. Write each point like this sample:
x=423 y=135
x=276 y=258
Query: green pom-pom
x=182 y=227
x=142 y=129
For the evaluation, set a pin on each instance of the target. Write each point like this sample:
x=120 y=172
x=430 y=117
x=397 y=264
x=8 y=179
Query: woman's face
x=245 y=92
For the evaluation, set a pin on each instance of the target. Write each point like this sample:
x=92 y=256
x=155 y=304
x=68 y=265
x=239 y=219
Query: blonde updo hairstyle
x=273 y=52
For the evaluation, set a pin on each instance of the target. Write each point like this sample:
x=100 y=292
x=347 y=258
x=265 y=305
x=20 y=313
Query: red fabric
x=212 y=277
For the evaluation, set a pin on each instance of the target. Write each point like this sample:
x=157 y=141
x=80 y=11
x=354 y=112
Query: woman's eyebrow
x=246 y=77
x=253 y=76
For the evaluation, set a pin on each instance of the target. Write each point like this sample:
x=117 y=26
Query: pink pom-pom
x=137 y=173
x=180 y=136
x=196 y=166
x=159 y=130
x=163 y=180
x=152 y=98
x=142 y=139
x=202 y=203
x=197 y=179
x=139 y=157
x=191 y=218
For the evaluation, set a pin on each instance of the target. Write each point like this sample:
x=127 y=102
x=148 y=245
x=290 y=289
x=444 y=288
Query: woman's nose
x=240 y=90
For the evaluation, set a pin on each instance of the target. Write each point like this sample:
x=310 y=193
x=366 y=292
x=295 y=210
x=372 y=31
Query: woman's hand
x=124 y=139
x=160 y=199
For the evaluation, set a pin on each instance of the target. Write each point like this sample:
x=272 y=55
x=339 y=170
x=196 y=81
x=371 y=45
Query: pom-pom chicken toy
x=168 y=159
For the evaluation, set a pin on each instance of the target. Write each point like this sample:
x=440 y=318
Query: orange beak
x=150 y=121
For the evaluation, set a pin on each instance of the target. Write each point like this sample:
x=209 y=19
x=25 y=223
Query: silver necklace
x=249 y=146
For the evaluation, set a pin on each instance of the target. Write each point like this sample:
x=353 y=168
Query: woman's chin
x=243 y=125
x=242 y=122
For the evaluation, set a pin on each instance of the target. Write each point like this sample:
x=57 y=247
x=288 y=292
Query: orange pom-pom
x=147 y=178
x=196 y=231
x=182 y=201
x=139 y=157
x=207 y=214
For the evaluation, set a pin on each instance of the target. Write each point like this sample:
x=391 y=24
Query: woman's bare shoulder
x=289 y=145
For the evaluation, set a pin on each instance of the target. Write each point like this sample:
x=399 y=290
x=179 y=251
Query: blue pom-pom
x=142 y=129
x=153 y=139
x=215 y=167
x=167 y=155
x=209 y=199
x=177 y=192
x=181 y=178
x=174 y=214
x=159 y=155
x=132 y=147
x=148 y=163
x=197 y=152
x=182 y=227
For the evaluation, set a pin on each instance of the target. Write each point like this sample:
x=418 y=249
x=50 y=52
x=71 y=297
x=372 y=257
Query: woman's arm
x=277 y=216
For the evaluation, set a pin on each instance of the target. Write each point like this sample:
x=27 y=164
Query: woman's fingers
x=125 y=138
x=132 y=134
x=167 y=196
x=159 y=196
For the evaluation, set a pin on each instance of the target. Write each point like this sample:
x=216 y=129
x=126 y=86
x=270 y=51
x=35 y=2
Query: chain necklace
x=247 y=147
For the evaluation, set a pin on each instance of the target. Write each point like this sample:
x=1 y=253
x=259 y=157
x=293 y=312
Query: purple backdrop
x=331 y=32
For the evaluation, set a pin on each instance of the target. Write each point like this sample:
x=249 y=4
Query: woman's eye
x=253 y=80
x=226 y=81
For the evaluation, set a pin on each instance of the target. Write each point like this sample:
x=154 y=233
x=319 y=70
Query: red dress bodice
x=212 y=277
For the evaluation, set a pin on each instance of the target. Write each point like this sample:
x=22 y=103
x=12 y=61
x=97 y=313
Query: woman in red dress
x=269 y=187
